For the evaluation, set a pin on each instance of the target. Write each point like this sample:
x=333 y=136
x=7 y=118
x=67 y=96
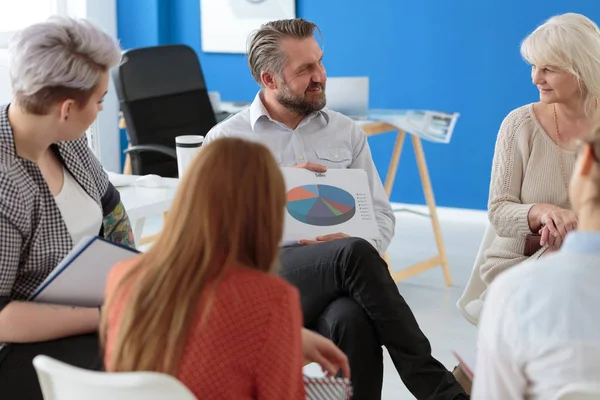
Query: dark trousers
x=330 y=274
x=18 y=379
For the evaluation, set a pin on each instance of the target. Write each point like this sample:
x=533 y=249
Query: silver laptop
x=348 y=95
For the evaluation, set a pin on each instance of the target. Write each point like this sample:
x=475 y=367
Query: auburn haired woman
x=202 y=304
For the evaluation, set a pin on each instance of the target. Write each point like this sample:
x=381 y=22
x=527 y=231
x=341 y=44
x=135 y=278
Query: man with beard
x=346 y=289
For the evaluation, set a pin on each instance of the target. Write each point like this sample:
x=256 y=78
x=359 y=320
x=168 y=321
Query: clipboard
x=80 y=278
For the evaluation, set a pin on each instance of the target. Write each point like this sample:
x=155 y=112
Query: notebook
x=80 y=278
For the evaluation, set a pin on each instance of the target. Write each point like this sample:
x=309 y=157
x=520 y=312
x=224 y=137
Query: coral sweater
x=250 y=346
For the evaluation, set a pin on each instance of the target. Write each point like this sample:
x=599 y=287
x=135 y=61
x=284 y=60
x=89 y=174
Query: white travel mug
x=186 y=146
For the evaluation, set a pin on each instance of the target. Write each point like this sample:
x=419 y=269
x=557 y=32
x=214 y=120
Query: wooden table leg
x=127 y=167
x=394 y=161
x=391 y=175
x=429 y=198
x=441 y=257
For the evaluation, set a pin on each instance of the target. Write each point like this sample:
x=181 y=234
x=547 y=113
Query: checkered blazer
x=33 y=234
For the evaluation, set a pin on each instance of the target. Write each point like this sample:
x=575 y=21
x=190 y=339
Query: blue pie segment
x=320 y=205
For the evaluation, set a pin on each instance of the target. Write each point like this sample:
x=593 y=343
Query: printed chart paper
x=338 y=200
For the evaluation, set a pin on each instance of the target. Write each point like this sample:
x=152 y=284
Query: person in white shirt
x=540 y=327
x=346 y=289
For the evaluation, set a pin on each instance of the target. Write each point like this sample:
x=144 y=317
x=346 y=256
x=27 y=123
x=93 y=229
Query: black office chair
x=162 y=94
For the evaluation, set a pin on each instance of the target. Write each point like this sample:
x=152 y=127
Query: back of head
x=265 y=52
x=61 y=58
x=584 y=188
x=593 y=141
x=230 y=202
x=570 y=42
x=228 y=210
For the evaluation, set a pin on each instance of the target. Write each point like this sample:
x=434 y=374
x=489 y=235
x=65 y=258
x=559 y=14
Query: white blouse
x=540 y=327
x=82 y=215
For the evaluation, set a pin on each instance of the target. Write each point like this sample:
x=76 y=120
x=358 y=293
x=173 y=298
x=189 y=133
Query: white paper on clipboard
x=80 y=279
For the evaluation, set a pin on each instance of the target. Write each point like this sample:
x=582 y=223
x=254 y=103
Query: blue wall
x=433 y=54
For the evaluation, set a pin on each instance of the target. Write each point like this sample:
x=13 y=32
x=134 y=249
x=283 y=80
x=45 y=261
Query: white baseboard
x=446 y=213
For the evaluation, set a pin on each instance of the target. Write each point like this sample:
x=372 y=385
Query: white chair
x=470 y=303
x=60 y=381
x=579 y=391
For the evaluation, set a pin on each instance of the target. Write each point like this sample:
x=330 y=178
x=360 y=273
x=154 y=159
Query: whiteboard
x=227 y=24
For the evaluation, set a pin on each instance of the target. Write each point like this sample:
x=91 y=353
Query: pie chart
x=320 y=205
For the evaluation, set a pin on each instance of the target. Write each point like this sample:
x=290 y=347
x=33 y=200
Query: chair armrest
x=152 y=147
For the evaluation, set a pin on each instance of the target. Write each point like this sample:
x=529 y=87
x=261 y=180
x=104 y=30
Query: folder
x=80 y=278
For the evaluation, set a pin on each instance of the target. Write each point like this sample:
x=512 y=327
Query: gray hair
x=570 y=42
x=59 y=59
x=264 y=51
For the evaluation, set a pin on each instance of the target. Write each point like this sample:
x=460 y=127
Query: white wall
x=5 y=90
x=104 y=13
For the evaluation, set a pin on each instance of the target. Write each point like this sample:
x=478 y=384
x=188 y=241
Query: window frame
x=107 y=146
x=59 y=7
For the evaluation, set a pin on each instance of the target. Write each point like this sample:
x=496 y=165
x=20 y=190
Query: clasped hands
x=556 y=223
x=324 y=238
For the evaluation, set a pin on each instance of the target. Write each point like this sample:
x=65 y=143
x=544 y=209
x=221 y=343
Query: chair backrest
x=60 y=381
x=470 y=303
x=162 y=94
x=580 y=391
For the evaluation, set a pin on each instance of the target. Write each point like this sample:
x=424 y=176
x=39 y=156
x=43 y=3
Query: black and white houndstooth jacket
x=33 y=235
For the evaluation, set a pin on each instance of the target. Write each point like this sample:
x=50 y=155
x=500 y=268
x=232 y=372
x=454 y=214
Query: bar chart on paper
x=330 y=202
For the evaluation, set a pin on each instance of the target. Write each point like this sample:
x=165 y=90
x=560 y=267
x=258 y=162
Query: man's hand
x=312 y=167
x=324 y=352
x=324 y=238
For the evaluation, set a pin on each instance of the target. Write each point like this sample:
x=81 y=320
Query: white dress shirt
x=540 y=327
x=325 y=137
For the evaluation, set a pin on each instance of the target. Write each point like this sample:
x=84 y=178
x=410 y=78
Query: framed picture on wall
x=226 y=24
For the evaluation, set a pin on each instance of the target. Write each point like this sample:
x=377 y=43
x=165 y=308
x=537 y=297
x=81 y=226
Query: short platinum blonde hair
x=570 y=42
x=58 y=59
x=264 y=50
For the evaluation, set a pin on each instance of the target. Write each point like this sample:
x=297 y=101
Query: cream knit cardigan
x=526 y=170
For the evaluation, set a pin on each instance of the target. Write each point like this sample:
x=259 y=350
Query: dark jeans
x=18 y=379
x=326 y=273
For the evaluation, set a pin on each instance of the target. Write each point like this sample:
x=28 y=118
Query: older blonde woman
x=53 y=191
x=535 y=149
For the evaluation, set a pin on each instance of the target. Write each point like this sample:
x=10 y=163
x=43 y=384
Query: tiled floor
x=433 y=303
